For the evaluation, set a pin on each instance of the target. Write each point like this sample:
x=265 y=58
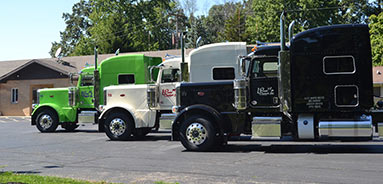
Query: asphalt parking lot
x=87 y=154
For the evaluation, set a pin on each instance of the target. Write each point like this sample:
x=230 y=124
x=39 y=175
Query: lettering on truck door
x=169 y=79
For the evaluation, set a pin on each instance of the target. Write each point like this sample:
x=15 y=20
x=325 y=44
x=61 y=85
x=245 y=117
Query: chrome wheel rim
x=196 y=133
x=117 y=126
x=46 y=121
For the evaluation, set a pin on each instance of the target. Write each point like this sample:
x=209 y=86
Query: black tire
x=197 y=133
x=47 y=121
x=69 y=127
x=118 y=126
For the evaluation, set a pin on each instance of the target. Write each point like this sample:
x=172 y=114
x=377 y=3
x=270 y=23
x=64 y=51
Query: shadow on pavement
x=146 y=138
x=307 y=148
x=21 y=172
x=77 y=131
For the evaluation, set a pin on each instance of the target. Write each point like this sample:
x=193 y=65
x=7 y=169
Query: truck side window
x=338 y=65
x=265 y=69
x=87 y=80
x=170 y=75
x=126 y=79
x=226 y=73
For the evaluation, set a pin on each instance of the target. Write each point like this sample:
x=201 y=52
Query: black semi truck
x=317 y=87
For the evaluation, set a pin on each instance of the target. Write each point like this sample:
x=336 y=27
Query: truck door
x=85 y=94
x=169 y=78
x=264 y=83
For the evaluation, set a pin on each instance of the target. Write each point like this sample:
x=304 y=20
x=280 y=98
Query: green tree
x=263 y=24
x=355 y=11
x=131 y=25
x=376 y=32
x=235 y=29
x=77 y=24
x=215 y=21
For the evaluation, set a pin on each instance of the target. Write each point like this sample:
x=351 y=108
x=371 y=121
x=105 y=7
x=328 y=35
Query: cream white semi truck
x=136 y=109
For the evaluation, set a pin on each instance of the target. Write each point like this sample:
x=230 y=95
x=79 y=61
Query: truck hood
x=57 y=96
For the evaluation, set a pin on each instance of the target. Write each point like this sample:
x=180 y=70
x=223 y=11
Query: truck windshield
x=86 y=79
x=170 y=75
x=265 y=68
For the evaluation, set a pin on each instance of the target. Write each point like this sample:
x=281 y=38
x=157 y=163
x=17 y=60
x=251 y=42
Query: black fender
x=219 y=120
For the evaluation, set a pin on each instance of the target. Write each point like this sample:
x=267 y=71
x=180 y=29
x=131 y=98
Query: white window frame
x=14 y=95
x=357 y=95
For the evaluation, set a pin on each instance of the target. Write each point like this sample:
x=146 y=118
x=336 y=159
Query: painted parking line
x=14 y=119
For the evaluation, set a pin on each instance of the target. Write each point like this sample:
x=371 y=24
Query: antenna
x=58 y=53
x=198 y=42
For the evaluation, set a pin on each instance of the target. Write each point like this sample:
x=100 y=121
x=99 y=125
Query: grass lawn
x=7 y=177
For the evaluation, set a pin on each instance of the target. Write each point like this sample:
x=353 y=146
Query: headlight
x=175 y=109
x=101 y=108
x=34 y=106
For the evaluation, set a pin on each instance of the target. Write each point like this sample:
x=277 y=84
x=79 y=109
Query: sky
x=28 y=27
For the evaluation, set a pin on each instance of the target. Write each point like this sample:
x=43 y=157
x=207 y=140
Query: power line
x=315 y=9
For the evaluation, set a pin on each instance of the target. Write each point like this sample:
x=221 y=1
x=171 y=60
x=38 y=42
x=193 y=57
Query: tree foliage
x=235 y=28
x=376 y=31
x=130 y=25
x=142 y=25
x=77 y=27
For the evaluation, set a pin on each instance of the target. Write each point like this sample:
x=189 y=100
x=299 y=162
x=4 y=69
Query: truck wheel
x=197 y=133
x=118 y=126
x=69 y=127
x=47 y=121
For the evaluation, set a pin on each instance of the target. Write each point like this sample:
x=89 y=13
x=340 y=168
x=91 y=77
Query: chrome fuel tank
x=346 y=128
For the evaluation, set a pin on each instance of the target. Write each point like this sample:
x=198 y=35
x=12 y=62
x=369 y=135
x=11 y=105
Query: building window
x=14 y=95
x=126 y=79
x=377 y=91
x=223 y=73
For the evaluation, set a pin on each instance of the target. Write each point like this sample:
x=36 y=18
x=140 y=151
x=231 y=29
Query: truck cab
x=76 y=104
x=318 y=87
x=126 y=115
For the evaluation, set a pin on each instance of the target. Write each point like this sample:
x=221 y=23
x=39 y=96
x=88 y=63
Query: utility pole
x=177 y=16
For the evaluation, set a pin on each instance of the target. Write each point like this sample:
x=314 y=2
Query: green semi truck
x=71 y=106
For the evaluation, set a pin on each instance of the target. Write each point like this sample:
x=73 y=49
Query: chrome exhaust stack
x=291 y=30
x=282 y=31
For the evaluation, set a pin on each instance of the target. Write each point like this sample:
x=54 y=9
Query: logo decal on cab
x=168 y=92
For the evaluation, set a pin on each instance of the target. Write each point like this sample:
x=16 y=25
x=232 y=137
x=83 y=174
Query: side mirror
x=71 y=79
x=242 y=66
x=151 y=73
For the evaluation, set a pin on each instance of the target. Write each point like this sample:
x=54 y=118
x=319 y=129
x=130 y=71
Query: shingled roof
x=72 y=64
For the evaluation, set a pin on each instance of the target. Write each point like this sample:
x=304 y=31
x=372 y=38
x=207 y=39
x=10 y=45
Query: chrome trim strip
x=338 y=73
x=357 y=94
